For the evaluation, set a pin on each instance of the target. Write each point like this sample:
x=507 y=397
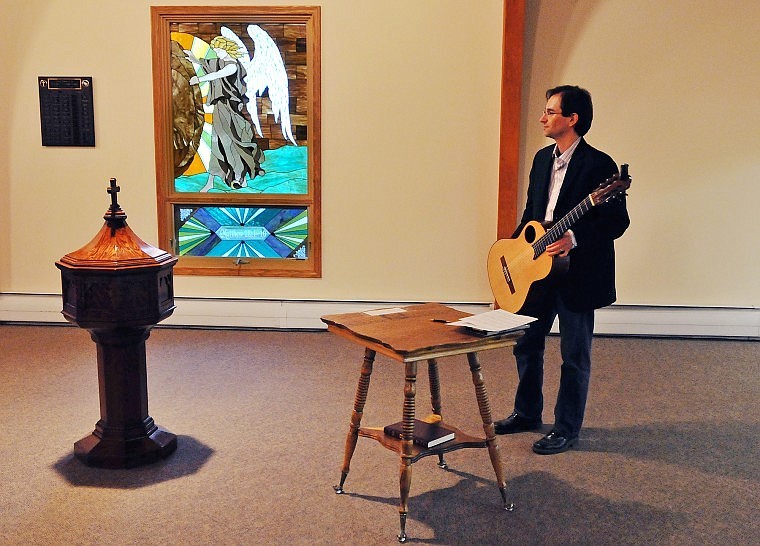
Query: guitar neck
x=557 y=230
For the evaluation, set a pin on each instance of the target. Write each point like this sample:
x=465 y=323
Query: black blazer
x=590 y=281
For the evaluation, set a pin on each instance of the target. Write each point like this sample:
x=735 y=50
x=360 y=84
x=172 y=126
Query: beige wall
x=410 y=107
x=675 y=87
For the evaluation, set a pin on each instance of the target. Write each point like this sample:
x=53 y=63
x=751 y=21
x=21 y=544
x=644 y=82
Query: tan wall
x=410 y=107
x=675 y=87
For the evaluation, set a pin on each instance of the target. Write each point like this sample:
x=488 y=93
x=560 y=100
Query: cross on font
x=113 y=190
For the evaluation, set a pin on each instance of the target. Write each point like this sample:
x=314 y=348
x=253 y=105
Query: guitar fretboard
x=557 y=230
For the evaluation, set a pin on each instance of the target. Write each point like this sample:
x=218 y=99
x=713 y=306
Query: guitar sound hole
x=530 y=234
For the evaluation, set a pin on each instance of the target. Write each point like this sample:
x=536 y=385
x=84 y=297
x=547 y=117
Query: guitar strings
x=555 y=232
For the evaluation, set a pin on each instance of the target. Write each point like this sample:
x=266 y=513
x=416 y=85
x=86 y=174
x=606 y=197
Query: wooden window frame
x=162 y=18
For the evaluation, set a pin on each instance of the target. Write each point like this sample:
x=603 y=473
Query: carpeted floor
x=670 y=452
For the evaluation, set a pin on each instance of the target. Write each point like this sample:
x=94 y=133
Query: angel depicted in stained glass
x=231 y=82
x=234 y=151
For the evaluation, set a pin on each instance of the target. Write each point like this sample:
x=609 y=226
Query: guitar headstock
x=613 y=187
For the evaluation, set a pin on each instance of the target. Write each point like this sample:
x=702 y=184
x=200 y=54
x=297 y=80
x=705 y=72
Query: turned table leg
x=488 y=427
x=407 y=433
x=356 y=416
x=435 y=398
x=435 y=386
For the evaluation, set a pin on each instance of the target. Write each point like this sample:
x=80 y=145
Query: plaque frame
x=67 y=115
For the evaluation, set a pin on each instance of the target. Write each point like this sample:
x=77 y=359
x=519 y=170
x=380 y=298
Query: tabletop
x=414 y=332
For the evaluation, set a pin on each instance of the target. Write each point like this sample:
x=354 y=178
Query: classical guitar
x=515 y=265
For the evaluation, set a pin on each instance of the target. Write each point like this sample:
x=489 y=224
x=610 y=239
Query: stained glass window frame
x=304 y=260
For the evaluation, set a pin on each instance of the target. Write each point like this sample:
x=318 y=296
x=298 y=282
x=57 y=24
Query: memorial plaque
x=66 y=111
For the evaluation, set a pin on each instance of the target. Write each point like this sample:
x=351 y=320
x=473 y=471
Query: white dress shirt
x=558 y=177
x=559 y=170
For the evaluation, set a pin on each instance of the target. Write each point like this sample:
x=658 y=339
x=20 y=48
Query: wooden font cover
x=116 y=246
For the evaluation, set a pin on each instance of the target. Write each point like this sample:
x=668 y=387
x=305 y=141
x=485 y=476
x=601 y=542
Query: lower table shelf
x=461 y=440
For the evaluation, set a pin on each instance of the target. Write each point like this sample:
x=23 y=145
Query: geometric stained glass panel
x=241 y=232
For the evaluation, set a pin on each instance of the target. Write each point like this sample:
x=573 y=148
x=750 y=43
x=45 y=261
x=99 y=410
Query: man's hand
x=562 y=246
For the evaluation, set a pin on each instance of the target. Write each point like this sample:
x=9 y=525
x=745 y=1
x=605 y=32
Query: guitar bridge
x=507 y=276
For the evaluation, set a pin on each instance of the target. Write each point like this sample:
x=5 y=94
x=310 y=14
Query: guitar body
x=514 y=270
x=517 y=266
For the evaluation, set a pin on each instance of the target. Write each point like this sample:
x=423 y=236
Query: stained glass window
x=237 y=138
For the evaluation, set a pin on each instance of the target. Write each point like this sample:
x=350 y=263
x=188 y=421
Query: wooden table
x=412 y=334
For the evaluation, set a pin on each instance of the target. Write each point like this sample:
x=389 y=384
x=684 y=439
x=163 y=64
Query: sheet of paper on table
x=386 y=311
x=497 y=321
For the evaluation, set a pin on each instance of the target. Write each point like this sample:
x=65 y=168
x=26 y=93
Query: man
x=562 y=175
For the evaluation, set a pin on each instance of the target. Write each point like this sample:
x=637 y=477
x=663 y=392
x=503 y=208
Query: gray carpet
x=669 y=454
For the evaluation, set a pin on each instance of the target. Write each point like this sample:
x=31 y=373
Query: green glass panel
x=241 y=232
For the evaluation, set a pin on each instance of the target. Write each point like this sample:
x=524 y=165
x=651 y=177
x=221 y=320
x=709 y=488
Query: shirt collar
x=565 y=157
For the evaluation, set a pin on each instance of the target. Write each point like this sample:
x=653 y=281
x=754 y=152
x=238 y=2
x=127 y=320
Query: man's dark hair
x=575 y=100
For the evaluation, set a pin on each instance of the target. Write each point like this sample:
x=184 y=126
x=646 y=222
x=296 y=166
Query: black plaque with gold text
x=66 y=111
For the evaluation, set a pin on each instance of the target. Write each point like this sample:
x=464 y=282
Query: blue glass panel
x=241 y=232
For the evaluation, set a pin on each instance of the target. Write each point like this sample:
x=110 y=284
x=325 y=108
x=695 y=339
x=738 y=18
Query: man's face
x=555 y=124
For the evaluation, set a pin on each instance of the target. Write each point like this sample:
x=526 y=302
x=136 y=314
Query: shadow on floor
x=547 y=511
x=188 y=459
x=727 y=449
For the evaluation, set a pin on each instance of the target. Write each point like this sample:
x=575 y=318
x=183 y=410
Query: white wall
x=410 y=110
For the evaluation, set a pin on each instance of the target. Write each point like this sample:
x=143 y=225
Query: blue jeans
x=576 y=333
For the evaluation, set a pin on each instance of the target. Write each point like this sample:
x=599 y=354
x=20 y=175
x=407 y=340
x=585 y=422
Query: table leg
x=485 y=413
x=435 y=397
x=407 y=433
x=356 y=416
x=435 y=386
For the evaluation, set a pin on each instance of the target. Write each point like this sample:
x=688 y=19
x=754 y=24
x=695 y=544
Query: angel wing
x=268 y=71
x=264 y=70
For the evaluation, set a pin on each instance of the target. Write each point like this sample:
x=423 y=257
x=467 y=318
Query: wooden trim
x=660 y=321
x=160 y=34
x=275 y=268
x=314 y=61
x=511 y=96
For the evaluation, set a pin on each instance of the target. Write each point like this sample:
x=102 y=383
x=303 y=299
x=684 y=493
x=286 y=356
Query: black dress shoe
x=554 y=442
x=515 y=423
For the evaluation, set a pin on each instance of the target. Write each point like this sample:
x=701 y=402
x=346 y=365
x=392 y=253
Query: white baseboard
x=713 y=322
